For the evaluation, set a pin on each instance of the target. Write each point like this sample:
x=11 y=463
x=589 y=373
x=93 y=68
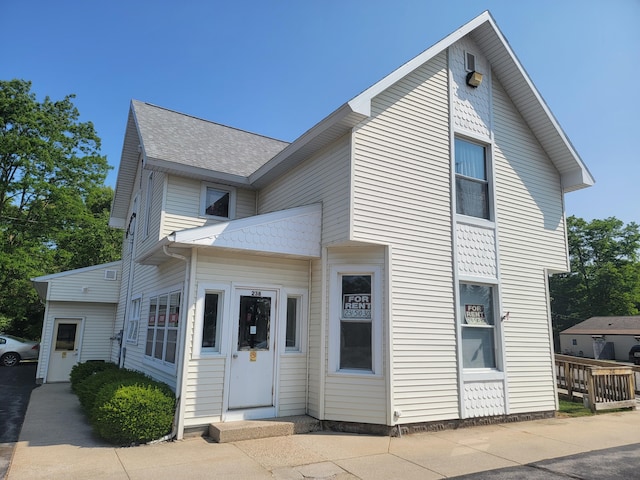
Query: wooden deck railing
x=607 y=385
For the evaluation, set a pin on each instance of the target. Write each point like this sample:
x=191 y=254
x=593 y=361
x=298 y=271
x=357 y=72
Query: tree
x=605 y=272
x=52 y=199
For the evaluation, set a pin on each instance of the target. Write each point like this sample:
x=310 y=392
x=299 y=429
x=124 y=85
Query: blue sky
x=277 y=67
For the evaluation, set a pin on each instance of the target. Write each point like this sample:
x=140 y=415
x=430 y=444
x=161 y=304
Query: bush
x=133 y=413
x=81 y=371
x=89 y=387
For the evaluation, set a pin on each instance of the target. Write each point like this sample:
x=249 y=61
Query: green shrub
x=133 y=413
x=81 y=371
x=90 y=386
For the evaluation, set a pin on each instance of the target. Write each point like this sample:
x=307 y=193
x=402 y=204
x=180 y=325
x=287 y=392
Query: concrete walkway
x=57 y=443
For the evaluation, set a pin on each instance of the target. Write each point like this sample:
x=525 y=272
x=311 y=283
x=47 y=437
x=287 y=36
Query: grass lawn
x=572 y=409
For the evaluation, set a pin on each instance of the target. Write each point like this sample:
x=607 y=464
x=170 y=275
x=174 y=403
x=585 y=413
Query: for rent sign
x=474 y=315
x=356 y=305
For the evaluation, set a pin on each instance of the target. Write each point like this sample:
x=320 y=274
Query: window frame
x=467 y=66
x=133 y=320
x=153 y=358
x=337 y=272
x=302 y=315
x=487 y=182
x=494 y=327
x=221 y=188
x=222 y=326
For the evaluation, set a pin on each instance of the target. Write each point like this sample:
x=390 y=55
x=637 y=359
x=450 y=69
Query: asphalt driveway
x=16 y=384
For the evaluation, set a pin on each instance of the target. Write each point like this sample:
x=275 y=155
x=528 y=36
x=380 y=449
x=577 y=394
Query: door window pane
x=254 y=323
x=66 y=337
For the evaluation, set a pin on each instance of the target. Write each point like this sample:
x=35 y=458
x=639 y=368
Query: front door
x=64 y=349
x=252 y=352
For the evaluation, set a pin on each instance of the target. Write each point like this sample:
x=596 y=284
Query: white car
x=13 y=349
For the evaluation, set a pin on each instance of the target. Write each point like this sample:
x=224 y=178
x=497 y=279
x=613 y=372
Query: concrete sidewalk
x=57 y=443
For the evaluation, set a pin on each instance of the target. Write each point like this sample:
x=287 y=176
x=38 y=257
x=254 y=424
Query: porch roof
x=293 y=232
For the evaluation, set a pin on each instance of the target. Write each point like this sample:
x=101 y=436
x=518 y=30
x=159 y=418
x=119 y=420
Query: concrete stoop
x=226 y=432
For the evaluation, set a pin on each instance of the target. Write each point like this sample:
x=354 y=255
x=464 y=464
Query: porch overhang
x=295 y=232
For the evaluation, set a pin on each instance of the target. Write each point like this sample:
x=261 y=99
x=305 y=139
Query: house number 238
x=256 y=293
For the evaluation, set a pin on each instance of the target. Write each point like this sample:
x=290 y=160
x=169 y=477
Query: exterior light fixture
x=474 y=79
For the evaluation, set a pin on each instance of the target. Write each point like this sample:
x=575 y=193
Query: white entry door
x=252 y=351
x=65 y=346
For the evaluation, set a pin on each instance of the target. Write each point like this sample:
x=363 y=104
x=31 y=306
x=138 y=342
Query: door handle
x=235 y=355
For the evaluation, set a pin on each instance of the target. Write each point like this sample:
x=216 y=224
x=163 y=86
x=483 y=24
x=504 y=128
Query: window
x=162 y=327
x=574 y=342
x=134 y=320
x=478 y=326
x=472 y=186
x=469 y=62
x=211 y=321
x=218 y=201
x=355 y=323
x=292 y=337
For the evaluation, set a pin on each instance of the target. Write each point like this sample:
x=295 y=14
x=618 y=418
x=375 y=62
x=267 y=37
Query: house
x=79 y=318
x=387 y=268
x=608 y=338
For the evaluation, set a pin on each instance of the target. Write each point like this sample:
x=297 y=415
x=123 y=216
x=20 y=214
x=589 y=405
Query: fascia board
x=200 y=173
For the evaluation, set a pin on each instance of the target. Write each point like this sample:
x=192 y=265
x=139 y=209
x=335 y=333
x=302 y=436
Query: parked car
x=14 y=349
x=634 y=354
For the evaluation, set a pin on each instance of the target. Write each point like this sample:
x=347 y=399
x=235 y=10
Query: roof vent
x=110 y=274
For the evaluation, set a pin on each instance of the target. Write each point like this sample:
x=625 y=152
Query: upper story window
x=472 y=185
x=218 y=201
x=149 y=203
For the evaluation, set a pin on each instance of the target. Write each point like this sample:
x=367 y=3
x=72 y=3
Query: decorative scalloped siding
x=476 y=251
x=471 y=106
x=484 y=399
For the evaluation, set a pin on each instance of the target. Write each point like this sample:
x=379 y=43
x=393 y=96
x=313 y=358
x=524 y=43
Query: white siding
x=150 y=280
x=86 y=286
x=315 y=354
x=144 y=241
x=205 y=377
x=324 y=179
x=402 y=197
x=183 y=205
x=531 y=237
x=349 y=397
x=98 y=328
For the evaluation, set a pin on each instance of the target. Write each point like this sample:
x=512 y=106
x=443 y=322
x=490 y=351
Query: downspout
x=177 y=427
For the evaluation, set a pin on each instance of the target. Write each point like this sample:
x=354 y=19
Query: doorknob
x=235 y=355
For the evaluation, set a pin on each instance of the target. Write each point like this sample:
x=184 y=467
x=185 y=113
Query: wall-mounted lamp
x=474 y=79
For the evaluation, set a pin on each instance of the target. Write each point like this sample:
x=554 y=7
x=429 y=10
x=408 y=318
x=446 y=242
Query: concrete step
x=226 y=432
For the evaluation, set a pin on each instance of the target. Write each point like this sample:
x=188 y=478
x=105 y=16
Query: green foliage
x=605 y=272
x=133 y=413
x=89 y=387
x=81 y=371
x=53 y=204
x=568 y=408
x=124 y=406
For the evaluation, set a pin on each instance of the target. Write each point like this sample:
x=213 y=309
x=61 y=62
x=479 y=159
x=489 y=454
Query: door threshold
x=249 y=414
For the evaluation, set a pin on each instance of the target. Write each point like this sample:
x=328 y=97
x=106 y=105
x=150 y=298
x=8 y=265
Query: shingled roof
x=178 y=138
x=629 y=325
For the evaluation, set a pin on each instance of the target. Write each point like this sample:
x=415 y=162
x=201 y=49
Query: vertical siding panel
x=402 y=197
x=529 y=206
